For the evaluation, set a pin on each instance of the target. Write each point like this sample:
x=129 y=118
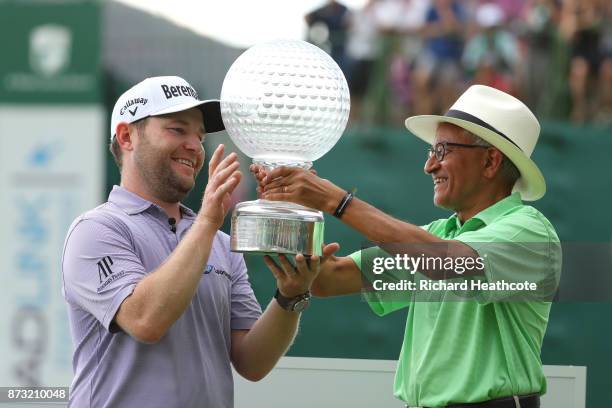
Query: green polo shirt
x=488 y=346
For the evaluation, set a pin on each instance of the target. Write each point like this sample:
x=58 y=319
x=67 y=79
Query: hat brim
x=211 y=112
x=531 y=185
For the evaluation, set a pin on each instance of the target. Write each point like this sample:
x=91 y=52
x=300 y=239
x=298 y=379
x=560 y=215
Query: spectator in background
x=513 y=9
x=438 y=70
x=383 y=41
x=540 y=32
x=327 y=29
x=409 y=24
x=408 y=56
x=398 y=23
x=362 y=52
x=603 y=107
x=582 y=24
x=491 y=57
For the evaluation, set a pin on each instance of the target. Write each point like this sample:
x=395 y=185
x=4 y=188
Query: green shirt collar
x=486 y=216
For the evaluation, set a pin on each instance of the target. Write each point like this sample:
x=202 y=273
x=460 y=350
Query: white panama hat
x=161 y=95
x=500 y=119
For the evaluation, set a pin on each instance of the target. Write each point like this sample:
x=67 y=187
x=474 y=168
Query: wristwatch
x=294 y=304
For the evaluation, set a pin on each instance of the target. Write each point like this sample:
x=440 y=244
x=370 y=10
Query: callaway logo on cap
x=159 y=96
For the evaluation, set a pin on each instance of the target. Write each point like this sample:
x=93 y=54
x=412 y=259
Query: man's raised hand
x=223 y=177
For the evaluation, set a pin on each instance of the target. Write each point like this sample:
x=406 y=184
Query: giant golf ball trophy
x=284 y=103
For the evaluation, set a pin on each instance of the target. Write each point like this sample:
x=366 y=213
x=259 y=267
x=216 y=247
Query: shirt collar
x=134 y=204
x=486 y=216
x=490 y=214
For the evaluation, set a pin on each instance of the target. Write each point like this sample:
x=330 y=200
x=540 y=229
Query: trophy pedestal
x=263 y=226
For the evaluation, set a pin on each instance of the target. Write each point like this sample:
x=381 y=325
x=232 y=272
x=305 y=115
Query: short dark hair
x=114 y=147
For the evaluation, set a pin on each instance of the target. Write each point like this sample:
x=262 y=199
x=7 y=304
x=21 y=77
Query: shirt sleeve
x=245 y=307
x=385 y=301
x=522 y=248
x=100 y=268
x=382 y=302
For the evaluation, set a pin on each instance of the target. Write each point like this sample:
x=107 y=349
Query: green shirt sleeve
x=380 y=302
x=518 y=248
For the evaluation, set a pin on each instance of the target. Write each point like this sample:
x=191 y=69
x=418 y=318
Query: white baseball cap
x=159 y=96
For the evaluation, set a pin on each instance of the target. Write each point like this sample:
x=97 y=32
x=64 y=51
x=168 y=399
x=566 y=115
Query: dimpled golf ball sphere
x=285 y=102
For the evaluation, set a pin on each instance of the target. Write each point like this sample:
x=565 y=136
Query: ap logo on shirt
x=106 y=274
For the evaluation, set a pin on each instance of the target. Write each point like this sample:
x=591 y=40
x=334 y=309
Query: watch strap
x=288 y=303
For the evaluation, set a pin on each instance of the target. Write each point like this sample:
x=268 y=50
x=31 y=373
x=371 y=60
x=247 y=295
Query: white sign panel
x=51 y=170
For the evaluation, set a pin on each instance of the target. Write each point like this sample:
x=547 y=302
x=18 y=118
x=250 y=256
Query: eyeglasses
x=440 y=149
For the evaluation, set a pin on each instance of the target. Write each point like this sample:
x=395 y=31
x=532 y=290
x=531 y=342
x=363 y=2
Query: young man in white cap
x=471 y=348
x=159 y=307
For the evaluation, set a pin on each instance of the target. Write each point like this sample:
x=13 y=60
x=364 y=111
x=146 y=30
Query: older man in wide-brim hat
x=476 y=336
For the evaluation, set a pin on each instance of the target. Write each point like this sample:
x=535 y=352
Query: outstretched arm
x=305 y=188
x=393 y=235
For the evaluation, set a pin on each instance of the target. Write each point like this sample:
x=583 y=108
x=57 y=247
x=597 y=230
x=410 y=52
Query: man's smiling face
x=458 y=176
x=169 y=154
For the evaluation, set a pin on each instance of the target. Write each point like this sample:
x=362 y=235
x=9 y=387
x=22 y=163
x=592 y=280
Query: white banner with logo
x=51 y=170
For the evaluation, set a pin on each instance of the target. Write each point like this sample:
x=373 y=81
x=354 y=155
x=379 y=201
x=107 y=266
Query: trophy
x=283 y=103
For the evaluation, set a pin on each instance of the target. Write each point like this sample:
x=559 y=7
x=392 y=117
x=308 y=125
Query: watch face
x=301 y=305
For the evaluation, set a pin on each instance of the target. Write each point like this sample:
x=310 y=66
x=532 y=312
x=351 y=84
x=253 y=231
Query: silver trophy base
x=263 y=226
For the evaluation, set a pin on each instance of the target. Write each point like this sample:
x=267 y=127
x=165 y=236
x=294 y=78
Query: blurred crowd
x=405 y=57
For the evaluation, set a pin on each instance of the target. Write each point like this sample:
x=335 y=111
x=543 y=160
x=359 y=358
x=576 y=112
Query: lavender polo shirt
x=108 y=250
